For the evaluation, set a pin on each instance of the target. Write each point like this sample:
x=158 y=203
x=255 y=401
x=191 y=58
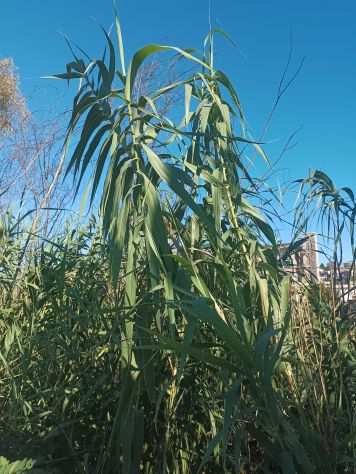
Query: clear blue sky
x=322 y=101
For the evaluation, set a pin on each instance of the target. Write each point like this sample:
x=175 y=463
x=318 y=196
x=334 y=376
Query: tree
x=29 y=154
x=12 y=104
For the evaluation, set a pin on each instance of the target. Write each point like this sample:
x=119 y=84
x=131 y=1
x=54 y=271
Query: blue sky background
x=321 y=103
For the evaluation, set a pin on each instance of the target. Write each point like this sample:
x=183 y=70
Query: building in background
x=340 y=277
x=304 y=260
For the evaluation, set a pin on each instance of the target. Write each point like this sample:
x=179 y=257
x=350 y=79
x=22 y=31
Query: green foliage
x=17 y=467
x=167 y=337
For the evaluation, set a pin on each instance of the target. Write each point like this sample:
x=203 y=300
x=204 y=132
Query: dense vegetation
x=165 y=336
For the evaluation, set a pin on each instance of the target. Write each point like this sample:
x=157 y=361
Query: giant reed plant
x=201 y=243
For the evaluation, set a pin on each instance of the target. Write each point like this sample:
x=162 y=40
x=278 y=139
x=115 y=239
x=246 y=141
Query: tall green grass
x=167 y=337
